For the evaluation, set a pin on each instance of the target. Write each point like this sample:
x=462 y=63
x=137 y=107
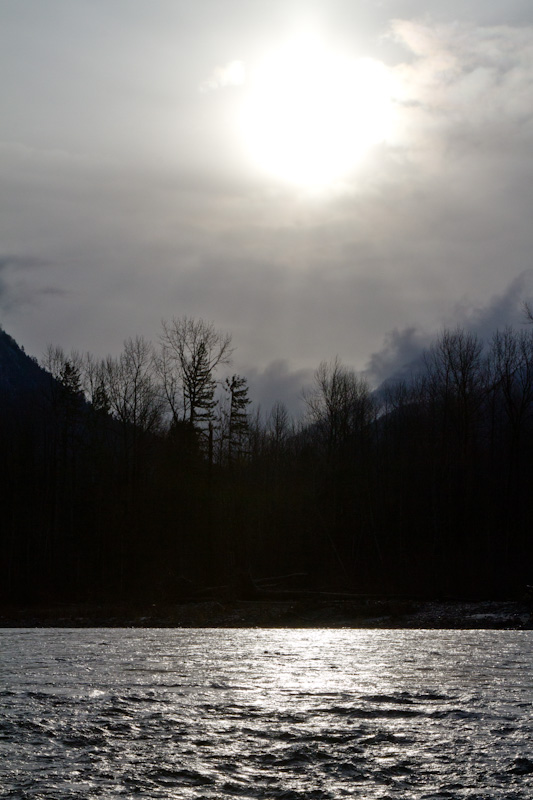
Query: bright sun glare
x=311 y=114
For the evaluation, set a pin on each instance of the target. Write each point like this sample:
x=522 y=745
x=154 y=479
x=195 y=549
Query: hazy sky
x=319 y=178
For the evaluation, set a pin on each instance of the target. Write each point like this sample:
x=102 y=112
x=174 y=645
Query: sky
x=321 y=178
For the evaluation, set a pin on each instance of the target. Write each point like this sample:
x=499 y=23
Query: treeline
x=148 y=477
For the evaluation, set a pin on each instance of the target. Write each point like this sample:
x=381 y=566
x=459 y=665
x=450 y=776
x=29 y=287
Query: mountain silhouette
x=20 y=374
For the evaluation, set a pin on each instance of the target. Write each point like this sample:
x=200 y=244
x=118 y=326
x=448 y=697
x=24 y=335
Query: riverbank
x=290 y=613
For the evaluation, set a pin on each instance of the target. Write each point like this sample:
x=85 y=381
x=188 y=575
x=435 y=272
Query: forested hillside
x=150 y=477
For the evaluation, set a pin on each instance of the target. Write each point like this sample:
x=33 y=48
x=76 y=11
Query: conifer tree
x=237 y=427
x=191 y=350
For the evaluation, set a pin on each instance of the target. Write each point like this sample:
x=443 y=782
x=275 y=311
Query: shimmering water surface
x=266 y=714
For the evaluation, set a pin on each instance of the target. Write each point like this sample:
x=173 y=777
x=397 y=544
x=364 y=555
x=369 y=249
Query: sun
x=310 y=114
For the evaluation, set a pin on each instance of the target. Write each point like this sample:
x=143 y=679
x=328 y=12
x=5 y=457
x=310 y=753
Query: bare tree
x=65 y=369
x=511 y=362
x=191 y=350
x=278 y=424
x=130 y=386
x=339 y=403
x=93 y=383
x=65 y=393
x=456 y=381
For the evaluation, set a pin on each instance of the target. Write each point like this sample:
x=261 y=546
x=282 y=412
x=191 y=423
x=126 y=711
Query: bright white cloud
x=233 y=74
x=465 y=83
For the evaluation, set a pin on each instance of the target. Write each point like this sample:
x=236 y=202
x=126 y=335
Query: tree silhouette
x=190 y=352
x=237 y=427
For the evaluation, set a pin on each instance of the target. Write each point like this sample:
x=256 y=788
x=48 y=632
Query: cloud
x=15 y=289
x=233 y=74
x=278 y=383
x=400 y=353
x=163 y=216
x=402 y=350
x=465 y=85
x=18 y=262
x=503 y=309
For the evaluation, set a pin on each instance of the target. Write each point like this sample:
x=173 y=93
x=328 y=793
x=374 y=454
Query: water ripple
x=211 y=715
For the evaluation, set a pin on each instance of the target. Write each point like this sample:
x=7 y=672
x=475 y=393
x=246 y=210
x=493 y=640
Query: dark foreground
x=290 y=613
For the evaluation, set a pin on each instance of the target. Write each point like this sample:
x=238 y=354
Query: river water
x=293 y=714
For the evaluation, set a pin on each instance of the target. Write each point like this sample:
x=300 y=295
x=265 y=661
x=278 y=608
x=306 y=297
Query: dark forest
x=148 y=477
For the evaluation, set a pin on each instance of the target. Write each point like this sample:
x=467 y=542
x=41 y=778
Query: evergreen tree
x=199 y=387
x=237 y=417
x=190 y=352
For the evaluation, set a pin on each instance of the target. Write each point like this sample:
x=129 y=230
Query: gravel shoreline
x=289 y=613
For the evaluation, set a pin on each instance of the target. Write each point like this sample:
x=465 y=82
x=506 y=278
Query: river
x=256 y=713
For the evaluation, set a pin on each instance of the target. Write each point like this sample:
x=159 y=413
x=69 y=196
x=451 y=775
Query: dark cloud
x=9 y=292
x=503 y=309
x=400 y=353
x=402 y=350
x=16 y=288
x=279 y=383
x=20 y=262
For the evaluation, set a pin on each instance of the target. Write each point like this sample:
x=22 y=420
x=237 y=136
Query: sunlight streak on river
x=292 y=714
